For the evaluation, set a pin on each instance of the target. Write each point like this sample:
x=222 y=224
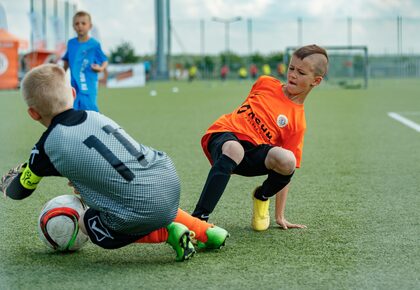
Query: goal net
x=348 y=65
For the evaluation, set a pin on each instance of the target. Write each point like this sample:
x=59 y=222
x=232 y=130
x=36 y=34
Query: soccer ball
x=58 y=223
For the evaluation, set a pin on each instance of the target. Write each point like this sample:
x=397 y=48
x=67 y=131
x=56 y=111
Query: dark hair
x=308 y=50
x=321 y=66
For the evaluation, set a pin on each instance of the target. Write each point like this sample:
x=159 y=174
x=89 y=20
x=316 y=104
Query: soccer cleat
x=179 y=239
x=216 y=238
x=260 y=213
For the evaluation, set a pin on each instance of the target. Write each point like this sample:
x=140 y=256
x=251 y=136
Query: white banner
x=126 y=75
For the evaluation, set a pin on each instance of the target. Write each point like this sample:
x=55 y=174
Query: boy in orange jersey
x=264 y=136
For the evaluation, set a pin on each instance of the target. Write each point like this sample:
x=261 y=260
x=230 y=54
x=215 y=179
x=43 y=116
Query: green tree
x=274 y=58
x=123 y=53
x=232 y=58
x=257 y=59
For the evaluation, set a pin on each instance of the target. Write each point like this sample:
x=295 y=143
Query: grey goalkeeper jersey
x=135 y=187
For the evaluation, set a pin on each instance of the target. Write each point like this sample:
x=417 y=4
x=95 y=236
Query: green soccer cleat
x=260 y=213
x=179 y=239
x=216 y=238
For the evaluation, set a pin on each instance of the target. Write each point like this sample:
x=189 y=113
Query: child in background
x=85 y=59
x=224 y=71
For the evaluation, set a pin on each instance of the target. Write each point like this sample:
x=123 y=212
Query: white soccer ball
x=58 y=223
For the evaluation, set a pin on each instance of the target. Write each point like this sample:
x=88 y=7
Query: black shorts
x=253 y=163
x=102 y=235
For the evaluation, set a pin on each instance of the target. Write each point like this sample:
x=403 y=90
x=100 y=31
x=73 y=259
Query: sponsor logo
x=28 y=179
x=204 y=217
x=34 y=152
x=98 y=229
x=255 y=120
x=282 y=121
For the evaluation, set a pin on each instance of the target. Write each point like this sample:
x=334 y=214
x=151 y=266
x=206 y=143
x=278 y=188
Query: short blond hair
x=47 y=90
x=82 y=14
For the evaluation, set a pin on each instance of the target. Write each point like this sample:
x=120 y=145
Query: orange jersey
x=266 y=117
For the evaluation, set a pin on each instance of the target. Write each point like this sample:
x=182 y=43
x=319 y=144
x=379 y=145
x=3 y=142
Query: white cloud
x=233 y=8
x=274 y=23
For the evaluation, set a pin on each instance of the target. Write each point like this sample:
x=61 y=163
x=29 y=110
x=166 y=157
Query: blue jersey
x=80 y=56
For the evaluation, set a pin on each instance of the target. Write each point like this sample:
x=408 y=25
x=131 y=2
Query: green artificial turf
x=358 y=192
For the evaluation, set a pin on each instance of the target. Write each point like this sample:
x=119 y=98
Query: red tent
x=38 y=57
x=9 y=59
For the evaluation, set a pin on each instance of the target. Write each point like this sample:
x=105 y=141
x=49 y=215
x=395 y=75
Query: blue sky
x=274 y=23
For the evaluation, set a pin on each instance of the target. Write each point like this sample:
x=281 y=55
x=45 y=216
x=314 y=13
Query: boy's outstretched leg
x=214 y=187
x=179 y=239
x=208 y=236
x=175 y=234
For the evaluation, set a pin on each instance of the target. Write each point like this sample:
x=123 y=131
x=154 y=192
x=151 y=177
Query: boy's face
x=300 y=75
x=82 y=25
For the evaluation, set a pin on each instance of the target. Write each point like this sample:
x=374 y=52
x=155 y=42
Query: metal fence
x=393 y=43
x=394 y=67
x=397 y=35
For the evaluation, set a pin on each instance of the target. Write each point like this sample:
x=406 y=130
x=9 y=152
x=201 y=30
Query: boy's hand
x=72 y=186
x=284 y=224
x=96 y=67
x=9 y=176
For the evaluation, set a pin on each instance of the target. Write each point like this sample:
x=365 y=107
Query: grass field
x=358 y=191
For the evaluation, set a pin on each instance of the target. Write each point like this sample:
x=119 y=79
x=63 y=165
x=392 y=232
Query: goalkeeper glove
x=10 y=176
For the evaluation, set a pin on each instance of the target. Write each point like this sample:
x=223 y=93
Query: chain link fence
x=393 y=43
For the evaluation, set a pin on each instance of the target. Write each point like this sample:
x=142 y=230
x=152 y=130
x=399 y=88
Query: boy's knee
x=233 y=150
x=281 y=160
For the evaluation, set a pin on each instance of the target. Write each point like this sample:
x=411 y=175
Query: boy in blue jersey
x=132 y=190
x=85 y=59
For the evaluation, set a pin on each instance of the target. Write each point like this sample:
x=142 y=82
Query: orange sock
x=157 y=236
x=196 y=225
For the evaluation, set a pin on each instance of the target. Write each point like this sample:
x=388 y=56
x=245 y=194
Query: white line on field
x=410 y=113
x=405 y=121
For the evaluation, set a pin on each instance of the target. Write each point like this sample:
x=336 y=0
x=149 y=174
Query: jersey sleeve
x=39 y=162
x=65 y=57
x=23 y=184
x=38 y=166
x=100 y=56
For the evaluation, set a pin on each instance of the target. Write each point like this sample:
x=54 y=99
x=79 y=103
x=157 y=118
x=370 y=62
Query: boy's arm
x=19 y=182
x=65 y=65
x=99 y=68
x=281 y=198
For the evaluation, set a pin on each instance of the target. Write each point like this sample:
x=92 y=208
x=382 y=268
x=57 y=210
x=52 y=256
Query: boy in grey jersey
x=132 y=190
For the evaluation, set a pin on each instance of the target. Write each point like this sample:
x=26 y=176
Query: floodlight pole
x=227 y=22
x=163 y=39
x=349 y=31
x=300 y=31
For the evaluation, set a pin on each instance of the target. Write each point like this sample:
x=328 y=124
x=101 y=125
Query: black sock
x=258 y=194
x=273 y=184
x=214 y=187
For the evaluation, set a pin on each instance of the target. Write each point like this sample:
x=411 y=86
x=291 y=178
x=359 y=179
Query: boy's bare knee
x=289 y=163
x=233 y=150
x=281 y=160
